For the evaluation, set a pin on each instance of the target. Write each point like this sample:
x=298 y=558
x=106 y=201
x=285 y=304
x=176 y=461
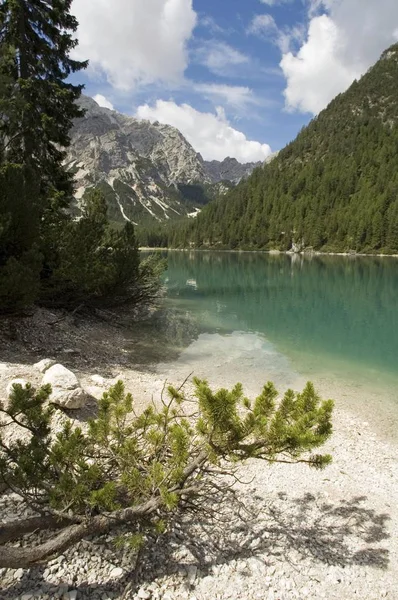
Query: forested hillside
x=334 y=188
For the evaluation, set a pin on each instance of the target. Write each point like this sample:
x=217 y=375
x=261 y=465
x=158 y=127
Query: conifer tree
x=334 y=188
x=95 y=263
x=36 y=41
x=37 y=106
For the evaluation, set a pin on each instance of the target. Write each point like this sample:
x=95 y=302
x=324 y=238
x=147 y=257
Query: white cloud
x=315 y=75
x=262 y=25
x=143 y=41
x=316 y=6
x=341 y=44
x=210 y=134
x=209 y=23
x=234 y=95
x=219 y=56
x=291 y=35
x=102 y=101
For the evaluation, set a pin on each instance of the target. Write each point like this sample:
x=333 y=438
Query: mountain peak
x=148 y=170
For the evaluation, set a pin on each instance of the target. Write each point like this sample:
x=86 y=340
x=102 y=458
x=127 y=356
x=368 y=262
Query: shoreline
x=272 y=252
x=306 y=534
x=310 y=534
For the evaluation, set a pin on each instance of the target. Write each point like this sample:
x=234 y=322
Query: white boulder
x=44 y=365
x=94 y=391
x=66 y=389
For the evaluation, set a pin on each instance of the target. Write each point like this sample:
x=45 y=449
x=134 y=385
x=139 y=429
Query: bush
x=142 y=469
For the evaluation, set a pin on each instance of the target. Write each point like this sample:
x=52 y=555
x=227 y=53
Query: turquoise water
x=322 y=308
x=257 y=315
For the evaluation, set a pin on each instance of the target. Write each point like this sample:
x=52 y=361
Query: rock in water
x=66 y=389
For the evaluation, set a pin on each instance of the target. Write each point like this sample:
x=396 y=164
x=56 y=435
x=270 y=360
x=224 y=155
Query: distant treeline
x=335 y=188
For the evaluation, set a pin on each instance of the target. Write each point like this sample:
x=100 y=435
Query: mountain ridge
x=147 y=171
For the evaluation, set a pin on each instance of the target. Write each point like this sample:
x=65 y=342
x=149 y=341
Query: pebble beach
x=303 y=534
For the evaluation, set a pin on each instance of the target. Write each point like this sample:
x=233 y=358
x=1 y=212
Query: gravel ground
x=303 y=534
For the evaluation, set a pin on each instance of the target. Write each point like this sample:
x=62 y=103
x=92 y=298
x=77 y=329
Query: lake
x=251 y=317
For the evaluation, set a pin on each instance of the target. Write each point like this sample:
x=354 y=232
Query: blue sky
x=237 y=77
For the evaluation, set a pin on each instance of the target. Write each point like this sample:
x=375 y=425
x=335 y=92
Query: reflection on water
x=254 y=317
x=225 y=359
x=161 y=338
x=317 y=311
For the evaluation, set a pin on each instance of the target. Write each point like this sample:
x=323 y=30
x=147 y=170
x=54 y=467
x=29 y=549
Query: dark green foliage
x=239 y=429
x=153 y=236
x=141 y=468
x=27 y=408
x=19 y=209
x=96 y=263
x=37 y=107
x=35 y=38
x=20 y=281
x=45 y=254
x=334 y=188
x=20 y=259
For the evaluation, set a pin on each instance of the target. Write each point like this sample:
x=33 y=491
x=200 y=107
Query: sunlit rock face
x=148 y=171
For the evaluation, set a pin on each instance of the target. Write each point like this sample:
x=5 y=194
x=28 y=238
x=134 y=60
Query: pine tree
x=37 y=106
x=97 y=264
x=72 y=261
x=142 y=468
x=36 y=40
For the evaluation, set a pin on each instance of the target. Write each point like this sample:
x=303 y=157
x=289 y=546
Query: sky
x=238 y=78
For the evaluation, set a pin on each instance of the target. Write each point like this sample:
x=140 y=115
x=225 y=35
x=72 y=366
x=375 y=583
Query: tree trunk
x=15 y=558
x=16 y=529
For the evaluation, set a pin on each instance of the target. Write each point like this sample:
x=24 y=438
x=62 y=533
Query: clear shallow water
x=252 y=316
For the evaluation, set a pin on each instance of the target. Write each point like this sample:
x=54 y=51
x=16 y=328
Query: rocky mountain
x=148 y=171
x=334 y=188
x=228 y=170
